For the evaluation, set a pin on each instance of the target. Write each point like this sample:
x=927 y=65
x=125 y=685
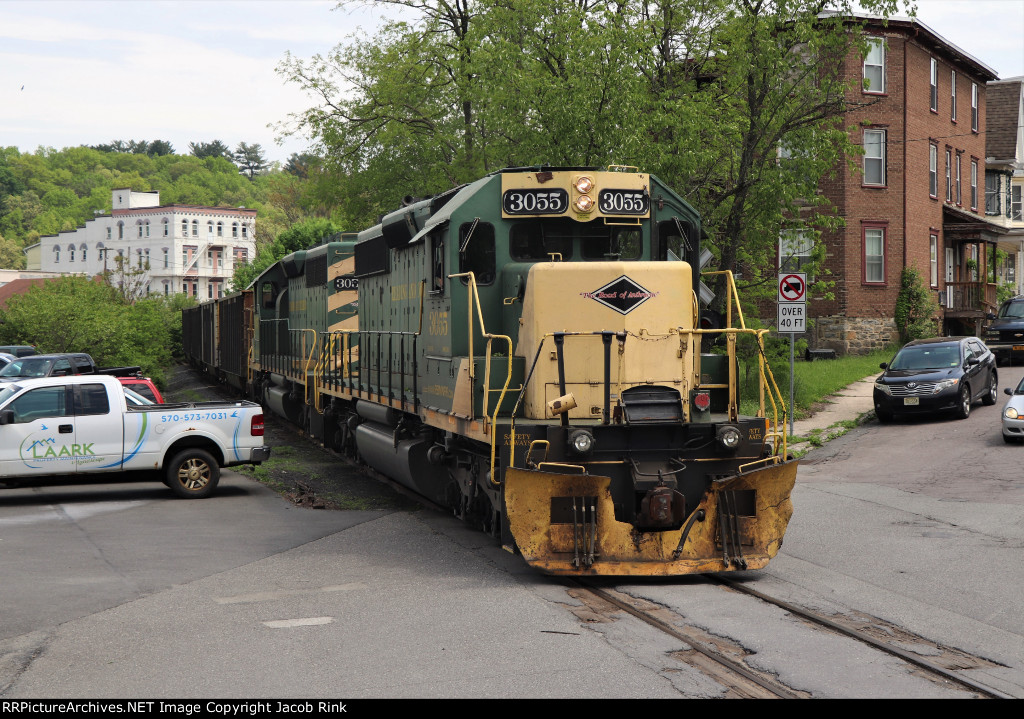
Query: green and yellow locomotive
x=526 y=350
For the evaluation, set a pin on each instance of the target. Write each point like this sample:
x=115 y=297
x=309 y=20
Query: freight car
x=526 y=349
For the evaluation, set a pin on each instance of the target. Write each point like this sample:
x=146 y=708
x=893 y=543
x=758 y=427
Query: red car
x=143 y=386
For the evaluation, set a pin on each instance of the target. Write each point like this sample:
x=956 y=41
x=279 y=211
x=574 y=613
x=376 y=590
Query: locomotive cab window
x=267 y=295
x=529 y=241
x=609 y=242
x=476 y=252
x=673 y=245
x=437 y=264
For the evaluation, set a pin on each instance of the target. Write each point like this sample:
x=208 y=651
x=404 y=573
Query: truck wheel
x=192 y=474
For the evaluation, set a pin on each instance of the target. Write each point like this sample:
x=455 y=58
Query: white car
x=1013 y=415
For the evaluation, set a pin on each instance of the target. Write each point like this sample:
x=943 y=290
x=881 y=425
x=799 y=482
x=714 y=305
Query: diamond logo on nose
x=622 y=294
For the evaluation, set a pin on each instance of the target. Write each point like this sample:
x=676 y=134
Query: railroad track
x=937 y=670
x=716 y=659
x=723 y=661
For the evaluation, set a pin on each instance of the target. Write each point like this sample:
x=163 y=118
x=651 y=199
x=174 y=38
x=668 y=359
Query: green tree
x=250 y=159
x=209 y=149
x=702 y=94
x=301 y=236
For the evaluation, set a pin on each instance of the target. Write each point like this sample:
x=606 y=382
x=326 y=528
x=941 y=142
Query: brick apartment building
x=917 y=196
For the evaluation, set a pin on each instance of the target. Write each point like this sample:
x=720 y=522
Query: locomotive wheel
x=192 y=474
x=963 y=410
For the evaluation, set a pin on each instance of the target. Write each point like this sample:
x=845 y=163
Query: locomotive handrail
x=475 y=295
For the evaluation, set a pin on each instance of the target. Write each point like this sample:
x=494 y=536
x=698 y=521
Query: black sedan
x=943 y=374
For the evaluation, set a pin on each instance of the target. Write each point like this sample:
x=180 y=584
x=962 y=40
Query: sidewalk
x=847 y=404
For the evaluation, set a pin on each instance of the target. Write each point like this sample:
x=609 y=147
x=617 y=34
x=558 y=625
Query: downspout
x=906 y=144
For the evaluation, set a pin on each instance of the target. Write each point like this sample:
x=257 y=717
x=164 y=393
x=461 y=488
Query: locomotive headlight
x=1011 y=413
x=581 y=441
x=729 y=437
x=584 y=203
x=583 y=185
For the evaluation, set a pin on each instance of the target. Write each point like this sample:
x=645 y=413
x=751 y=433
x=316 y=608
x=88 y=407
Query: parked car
x=144 y=386
x=1005 y=336
x=18 y=350
x=54 y=365
x=943 y=374
x=5 y=359
x=136 y=399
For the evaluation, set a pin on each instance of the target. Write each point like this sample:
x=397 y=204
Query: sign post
x=792 y=319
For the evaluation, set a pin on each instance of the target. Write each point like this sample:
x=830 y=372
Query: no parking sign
x=792 y=302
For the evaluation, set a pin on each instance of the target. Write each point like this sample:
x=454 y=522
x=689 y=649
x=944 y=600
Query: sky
x=86 y=72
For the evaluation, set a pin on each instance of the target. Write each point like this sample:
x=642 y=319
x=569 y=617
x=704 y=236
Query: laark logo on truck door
x=623 y=295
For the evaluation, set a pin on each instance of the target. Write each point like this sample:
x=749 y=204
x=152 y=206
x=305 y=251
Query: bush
x=915 y=308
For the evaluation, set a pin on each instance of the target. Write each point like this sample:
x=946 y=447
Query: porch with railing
x=969 y=299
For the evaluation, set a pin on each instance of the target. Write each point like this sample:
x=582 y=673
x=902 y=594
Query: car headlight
x=881 y=387
x=944 y=385
x=1010 y=413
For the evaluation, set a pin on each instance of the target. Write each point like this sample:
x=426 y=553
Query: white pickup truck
x=73 y=425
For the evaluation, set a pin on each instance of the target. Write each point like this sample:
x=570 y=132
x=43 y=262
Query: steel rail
x=717 y=657
x=867 y=639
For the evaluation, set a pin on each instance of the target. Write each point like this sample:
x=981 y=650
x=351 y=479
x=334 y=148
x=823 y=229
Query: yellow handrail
x=475 y=295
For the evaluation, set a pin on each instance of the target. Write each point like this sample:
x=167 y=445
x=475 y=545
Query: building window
x=874 y=255
x=167 y=228
x=974 y=185
x=234 y=229
x=934 y=98
x=949 y=175
x=1016 y=209
x=165 y=257
x=245 y=232
x=952 y=95
x=993 y=206
x=974 y=107
x=84 y=252
x=56 y=255
x=958 y=195
x=874 y=66
x=140 y=231
x=933 y=170
x=109 y=234
x=71 y=253
x=241 y=255
x=220 y=229
x=209 y=230
x=795 y=251
x=933 y=260
x=147 y=228
x=184 y=228
x=874 y=157
x=120 y=230
x=195 y=228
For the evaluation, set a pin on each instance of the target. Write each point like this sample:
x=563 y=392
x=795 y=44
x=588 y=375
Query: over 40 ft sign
x=792 y=302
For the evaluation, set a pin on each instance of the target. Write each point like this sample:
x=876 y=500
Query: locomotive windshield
x=594 y=240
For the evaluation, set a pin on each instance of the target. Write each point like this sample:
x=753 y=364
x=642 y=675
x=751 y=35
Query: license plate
x=911 y=400
x=1018 y=348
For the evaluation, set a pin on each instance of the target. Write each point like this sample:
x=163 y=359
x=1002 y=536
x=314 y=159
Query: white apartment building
x=187 y=248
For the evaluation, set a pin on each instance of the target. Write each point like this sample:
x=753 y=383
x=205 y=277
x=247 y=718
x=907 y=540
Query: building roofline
x=913 y=23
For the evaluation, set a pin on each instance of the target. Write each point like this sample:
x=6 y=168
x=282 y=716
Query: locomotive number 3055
x=535 y=202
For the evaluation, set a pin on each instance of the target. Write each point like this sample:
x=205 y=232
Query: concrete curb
x=853 y=403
